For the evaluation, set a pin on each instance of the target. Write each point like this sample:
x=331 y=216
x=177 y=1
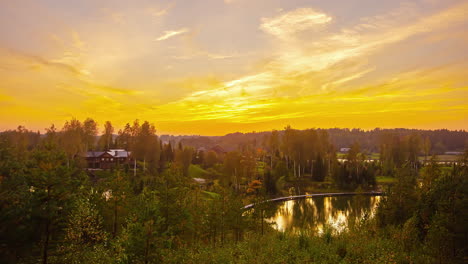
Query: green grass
x=449 y=158
x=195 y=171
x=384 y=179
x=341 y=155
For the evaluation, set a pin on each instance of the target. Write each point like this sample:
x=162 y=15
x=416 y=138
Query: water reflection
x=314 y=214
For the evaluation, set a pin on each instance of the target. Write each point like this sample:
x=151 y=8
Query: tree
x=117 y=193
x=72 y=140
x=211 y=159
x=124 y=139
x=401 y=201
x=143 y=229
x=273 y=145
x=287 y=142
x=106 y=140
x=85 y=237
x=183 y=159
x=429 y=174
x=90 y=131
x=232 y=168
x=147 y=147
x=51 y=182
x=426 y=147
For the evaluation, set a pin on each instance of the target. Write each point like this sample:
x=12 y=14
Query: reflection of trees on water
x=312 y=214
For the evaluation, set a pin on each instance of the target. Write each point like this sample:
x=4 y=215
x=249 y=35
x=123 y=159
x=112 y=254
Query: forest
x=181 y=199
x=442 y=139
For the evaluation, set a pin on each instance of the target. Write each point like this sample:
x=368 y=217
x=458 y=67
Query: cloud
x=209 y=55
x=306 y=77
x=157 y=12
x=286 y=25
x=19 y=58
x=172 y=33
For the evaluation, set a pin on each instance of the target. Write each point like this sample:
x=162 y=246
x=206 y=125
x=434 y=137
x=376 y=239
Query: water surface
x=317 y=213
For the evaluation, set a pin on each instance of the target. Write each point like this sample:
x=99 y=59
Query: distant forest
x=442 y=140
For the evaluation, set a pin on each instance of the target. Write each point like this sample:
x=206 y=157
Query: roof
x=200 y=180
x=116 y=153
x=94 y=154
x=120 y=153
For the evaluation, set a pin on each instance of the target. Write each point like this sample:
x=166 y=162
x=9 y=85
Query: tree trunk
x=312 y=169
x=46 y=243
x=167 y=207
x=114 y=226
x=294 y=166
x=147 y=242
x=261 y=219
x=134 y=168
x=146 y=249
x=47 y=230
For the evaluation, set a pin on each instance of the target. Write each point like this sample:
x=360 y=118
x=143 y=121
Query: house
x=344 y=150
x=203 y=183
x=107 y=159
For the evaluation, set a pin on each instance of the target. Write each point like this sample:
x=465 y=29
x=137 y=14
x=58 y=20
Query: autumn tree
x=90 y=131
x=72 y=139
x=211 y=158
x=106 y=140
x=147 y=147
x=183 y=159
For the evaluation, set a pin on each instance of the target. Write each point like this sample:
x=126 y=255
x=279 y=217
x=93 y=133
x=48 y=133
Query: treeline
x=442 y=140
x=285 y=155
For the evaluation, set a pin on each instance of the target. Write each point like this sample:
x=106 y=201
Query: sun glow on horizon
x=215 y=67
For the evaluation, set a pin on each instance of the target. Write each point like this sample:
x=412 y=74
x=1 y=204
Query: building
x=107 y=159
x=344 y=150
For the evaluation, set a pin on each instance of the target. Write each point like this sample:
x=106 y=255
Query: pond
x=315 y=214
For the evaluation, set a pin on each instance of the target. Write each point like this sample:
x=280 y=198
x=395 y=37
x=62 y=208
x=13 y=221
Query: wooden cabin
x=105 y=160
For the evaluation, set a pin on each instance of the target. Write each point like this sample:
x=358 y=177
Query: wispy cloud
x=318 y=63
x=304 y=79
x=157 y=12
x=286 y=25
x=172 y=33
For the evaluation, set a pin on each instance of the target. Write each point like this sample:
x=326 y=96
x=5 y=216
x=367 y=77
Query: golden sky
x=212 y=67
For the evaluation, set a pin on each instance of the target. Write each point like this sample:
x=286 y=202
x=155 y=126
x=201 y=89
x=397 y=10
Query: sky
x=212 y=67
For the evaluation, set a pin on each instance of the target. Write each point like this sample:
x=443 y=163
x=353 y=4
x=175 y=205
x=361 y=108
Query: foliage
x=54 y=211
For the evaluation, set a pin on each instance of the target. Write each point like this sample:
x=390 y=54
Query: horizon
x=158 y=133
x=215 y=67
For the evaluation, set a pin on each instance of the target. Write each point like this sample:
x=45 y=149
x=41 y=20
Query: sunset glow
x=214 y=67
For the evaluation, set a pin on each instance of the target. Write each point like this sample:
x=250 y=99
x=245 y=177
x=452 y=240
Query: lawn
x=384 y=179
x=447 y=158
x=195 y=171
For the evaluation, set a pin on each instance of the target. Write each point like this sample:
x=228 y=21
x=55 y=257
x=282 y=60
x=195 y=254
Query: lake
x=315 y=214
